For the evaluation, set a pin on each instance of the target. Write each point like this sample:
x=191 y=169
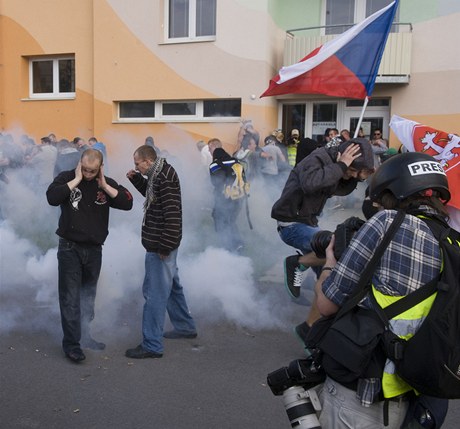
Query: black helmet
x=407 y=174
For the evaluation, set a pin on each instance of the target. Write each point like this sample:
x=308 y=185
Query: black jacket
x=310 y=183
x=85 y=210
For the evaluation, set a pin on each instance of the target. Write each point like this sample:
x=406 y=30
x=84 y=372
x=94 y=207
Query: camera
x=343 y=235
x=296 y=382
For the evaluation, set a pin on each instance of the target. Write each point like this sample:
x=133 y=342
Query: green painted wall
x=289 y=14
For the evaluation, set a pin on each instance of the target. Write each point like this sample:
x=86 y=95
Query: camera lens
x=319 y=243
x=299 y=409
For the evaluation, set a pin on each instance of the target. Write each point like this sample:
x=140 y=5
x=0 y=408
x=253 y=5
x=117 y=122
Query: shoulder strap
x=440 y=230
x=364 y=281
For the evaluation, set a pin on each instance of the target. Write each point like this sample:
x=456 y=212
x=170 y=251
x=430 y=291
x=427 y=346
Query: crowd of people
x=45 y=159
x=299 y=176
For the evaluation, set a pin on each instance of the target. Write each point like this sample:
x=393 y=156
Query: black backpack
x=430 y=360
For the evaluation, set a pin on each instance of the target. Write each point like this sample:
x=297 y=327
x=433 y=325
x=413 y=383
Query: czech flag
x=343 y=67
x=444 y=147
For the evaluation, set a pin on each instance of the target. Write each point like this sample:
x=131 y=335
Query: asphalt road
x=217 y=380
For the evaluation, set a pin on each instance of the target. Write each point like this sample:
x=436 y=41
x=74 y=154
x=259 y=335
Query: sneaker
x=293 y=275
x=140 y=353
x=175 y=335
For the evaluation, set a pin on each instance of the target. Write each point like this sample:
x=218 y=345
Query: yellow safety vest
x=292 y=154
x=404 y=325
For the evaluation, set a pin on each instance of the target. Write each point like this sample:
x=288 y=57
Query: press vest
x=405 y=325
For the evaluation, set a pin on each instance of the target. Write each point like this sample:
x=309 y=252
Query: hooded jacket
x=315 y=179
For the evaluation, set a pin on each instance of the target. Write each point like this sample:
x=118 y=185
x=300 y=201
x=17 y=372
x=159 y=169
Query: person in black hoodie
x=85 y=196
x=327 y=171
x=226 y=210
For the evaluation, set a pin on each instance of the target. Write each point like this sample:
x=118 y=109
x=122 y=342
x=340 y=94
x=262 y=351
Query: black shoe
x=140 y=353
x=90 y=343
x=293 y=275
x=302 y=332
x=75 y=355
x=175 y=335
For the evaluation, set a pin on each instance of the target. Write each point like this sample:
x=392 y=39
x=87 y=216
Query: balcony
x=396 y=60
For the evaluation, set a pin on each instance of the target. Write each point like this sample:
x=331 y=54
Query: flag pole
x=366 y=100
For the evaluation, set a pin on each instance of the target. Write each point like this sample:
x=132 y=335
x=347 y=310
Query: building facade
x=188 y=70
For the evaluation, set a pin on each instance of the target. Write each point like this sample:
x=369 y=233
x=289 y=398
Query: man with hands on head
x=85 y=196
x=327 y=171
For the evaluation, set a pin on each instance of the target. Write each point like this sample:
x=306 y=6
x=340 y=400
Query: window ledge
x=70 y=97
x=181 y=120
x=188 y=40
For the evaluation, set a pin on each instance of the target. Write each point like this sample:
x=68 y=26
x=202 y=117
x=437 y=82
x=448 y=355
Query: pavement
x=217 y=380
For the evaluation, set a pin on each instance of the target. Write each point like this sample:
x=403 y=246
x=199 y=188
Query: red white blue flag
x=443 y=146
x=343 y=67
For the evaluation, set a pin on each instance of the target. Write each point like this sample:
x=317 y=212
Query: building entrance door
x=372 y=119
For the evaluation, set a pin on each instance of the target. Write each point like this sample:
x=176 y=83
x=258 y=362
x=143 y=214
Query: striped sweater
x=162 y=226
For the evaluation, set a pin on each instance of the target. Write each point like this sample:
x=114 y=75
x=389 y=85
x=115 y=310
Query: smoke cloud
x=219 y=286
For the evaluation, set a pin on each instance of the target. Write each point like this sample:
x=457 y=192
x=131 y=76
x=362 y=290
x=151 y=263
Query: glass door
x=371 y=121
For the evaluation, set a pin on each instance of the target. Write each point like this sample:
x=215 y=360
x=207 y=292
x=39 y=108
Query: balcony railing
x=396 y=60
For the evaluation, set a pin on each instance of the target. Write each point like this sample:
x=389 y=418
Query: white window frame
x=175 y=118
x=55 y=94
x=192 y=37
x=359 y=14
x=160 y=117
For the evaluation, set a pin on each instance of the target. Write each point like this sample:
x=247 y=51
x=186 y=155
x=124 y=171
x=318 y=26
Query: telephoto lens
x=300 y=407
x=319 y=243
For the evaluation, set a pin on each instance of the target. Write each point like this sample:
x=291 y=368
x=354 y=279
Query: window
x=324 y=116
x=180 y=110
x=294 y=117
x=373 y=6
x=339 y=13
x=137 y=109
x=219 y=108
x=191 y=20
x=52 y=77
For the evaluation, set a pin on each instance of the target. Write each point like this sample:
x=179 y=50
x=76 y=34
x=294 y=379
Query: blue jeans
x=298 y=235
x=163 y=292
x=79 y=267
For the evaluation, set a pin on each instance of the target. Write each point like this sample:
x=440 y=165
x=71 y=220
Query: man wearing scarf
x=155 y=179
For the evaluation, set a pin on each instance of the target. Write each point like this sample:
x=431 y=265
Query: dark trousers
x=79 y=267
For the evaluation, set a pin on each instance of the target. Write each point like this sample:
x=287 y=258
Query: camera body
x=343 y=234
x=295 y=383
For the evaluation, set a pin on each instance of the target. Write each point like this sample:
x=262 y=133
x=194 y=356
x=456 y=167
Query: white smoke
x=219 y=286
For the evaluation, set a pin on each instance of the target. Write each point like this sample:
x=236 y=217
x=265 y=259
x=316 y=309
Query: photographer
x=325 y=172
x=411 y=260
